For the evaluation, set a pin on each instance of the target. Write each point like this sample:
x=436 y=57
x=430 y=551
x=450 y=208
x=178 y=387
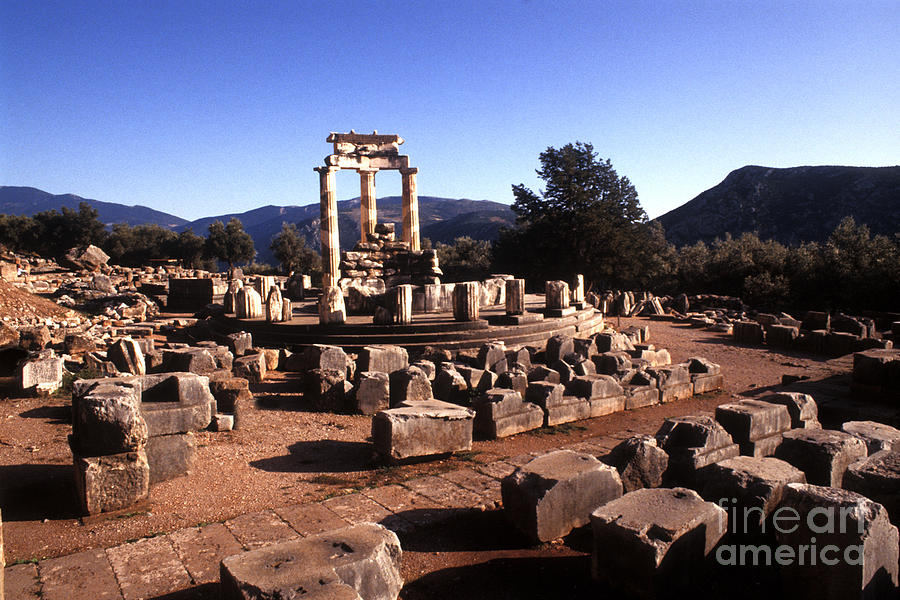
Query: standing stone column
x=403 y=304
x=331 y=246
x=331 y=306
x=466 y=301
x=368 y=215
x=515 y=296
x=410 y=208
x=557 y=295
x=578 y=289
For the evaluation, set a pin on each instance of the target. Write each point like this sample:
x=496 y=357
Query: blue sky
x=203 y=108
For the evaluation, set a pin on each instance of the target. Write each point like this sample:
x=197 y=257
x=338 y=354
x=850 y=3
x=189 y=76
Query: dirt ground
x=285 y=454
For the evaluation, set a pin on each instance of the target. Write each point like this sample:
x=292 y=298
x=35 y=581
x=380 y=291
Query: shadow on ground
x=321 y=456
x=38 y=492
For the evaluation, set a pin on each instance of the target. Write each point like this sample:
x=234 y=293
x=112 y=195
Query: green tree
x=290 y=249
x=587 y=220
x=188 y=248
x=229 y=243
x=60 y=231
x=465 y=259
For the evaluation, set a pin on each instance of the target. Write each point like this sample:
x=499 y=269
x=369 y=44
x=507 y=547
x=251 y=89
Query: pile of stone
x=381 y=256
x=681 y=508
x=877 y=372
x=818 y=332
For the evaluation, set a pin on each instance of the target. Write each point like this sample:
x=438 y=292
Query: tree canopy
x=229 y=243
x=290 y=249
x=587 y=220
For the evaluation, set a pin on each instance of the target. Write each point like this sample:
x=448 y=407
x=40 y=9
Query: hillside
x=15 y=200
x=440 y=219
x=791 y=205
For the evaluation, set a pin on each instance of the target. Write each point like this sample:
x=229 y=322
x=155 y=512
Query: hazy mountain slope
x=15 y=200
x=789 y=205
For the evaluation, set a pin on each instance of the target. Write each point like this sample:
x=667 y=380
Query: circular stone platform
x=438 y=330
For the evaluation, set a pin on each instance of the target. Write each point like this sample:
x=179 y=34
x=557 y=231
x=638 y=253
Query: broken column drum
x=466 y=301
x=367 y=154
x=515 y=296
x=403 y=307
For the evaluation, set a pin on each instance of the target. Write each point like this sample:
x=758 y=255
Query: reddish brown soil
x=285 y=454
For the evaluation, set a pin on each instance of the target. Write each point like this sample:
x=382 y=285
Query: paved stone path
x=184 y=564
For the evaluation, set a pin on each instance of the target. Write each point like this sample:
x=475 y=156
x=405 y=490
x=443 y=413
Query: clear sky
x=204 y=108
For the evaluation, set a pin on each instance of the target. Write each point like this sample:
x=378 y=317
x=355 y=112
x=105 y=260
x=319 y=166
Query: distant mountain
x=791 y=205
x=28 y=201
x=440 y=219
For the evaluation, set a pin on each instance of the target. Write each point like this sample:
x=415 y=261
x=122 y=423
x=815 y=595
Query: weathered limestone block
x=578 y=289
x=34 y=338
x=331 y=306
x=360 y=561
x=520 y=357
x=232 y=397
x=748 y=332
x=385 y=359
x=492 y=357
x=251 y=367
x=248 y=304
x=705 y=375
x=373 y=392
x=613 y=363
x=551 y=495
x=654 y=542
x=754 y=425
x=514 y=379
x=557 y=295
x=558 y=347
x=640 y=396
x=126 y=354
x=515 y=296
x=41 y=375
x=782 y=336
x=752 y=484
x=802 y=408
x=543 y=373
x=877 y=436
x=112 y=482
x=640 y=462
x=478 y=380
x=565 y=370
x=410 y=385
x=822 y=454
x=175 y=402
x=501 y=413
x=594 y=386
x=692 y=443
x=326 y=390
x=863 y=562
x=612 y=341
x=189 y=360
x=466 y=301
x=422 y=429
x=107 y=418
x=816 y=320
x=88 y=257
x=878 y=368
x=170 y=456
x=240 y=343
x=450 y=386
x=878 y=478
x=274 y=305
x=318 y=356
x=493 y=291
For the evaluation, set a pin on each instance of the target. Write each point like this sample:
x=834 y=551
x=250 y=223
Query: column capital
x=409 y=170
x=326 y=169
x=367 y=170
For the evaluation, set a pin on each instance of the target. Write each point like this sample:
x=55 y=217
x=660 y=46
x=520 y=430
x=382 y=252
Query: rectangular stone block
x=606 y=406
x=675 y=391
x=108 y=483
x=170 y=456
x=750 y=420
x=572 y=409
x=639 y=396
x=422 y=429
x=165 y=418
x=704 y=383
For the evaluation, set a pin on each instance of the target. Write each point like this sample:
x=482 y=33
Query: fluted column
x=515 y=296
x=403 y=306
x=368 y=215
x=466 y=297
x=410 y=208
x=331 y=246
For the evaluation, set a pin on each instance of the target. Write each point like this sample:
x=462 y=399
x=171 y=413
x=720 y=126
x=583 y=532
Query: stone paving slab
x=497 y=469
x=255 y=530
x=481 y=484
x=202 y=548
x=522 y=459
x=147 y=568
x=310 y=519
x=403 y=502
x=356 y=508
x=447 y=493
x=83 y=576
x=22 y=582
